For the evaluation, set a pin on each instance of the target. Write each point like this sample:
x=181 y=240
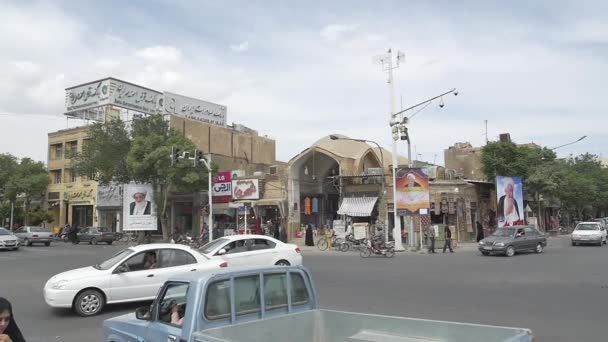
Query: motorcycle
x=380 y=248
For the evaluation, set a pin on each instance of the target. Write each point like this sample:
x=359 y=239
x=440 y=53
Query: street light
x=400 y=131
x=335 y=137
x=570 y=143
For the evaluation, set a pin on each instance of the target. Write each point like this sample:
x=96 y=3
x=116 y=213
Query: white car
x=257 y=250
x=133 y=274
x=589 y=232
x=8 y=240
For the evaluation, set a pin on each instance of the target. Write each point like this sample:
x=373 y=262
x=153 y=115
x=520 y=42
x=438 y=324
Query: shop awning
x=357 y=206
x=274 y=202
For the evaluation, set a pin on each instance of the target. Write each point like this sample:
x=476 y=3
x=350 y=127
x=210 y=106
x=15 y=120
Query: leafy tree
x=30 y=180
x=143 y=156
x=8 y=164
x=510 y=159
x=39 y=215
x=104 y=153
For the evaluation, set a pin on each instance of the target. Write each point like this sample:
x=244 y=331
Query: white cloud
x=242 y=47
x=333 y=32
x=163 y=55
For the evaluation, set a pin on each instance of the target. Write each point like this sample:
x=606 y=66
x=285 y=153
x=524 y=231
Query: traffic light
x=199 y=158
x=174 y=155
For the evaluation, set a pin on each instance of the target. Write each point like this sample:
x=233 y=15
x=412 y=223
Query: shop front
x=109 y=207
x=80 y=205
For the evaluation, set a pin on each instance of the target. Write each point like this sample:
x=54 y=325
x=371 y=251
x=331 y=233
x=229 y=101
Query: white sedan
x=257 y=250
x=133 y=274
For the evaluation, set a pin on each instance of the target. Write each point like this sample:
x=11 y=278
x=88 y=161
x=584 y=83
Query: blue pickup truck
x=275 y=304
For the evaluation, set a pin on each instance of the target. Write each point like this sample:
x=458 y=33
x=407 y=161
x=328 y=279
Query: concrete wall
x=465 y=160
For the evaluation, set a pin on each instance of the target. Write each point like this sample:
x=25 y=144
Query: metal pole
x=395 y=163
x=12 y=212
x=411 y=241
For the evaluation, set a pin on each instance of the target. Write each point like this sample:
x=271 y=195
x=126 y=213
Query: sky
x=300 y=70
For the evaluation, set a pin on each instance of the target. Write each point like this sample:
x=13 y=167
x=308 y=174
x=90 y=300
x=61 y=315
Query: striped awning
x=357 y=206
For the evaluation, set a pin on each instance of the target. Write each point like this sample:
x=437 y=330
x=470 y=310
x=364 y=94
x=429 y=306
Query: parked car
x=131 y=275
x=29 y=235
x=509 y=241
x=246 y=250
x=275 y=304
x=95 y=235
x=8 y=240
x=589 y=233
x=602 y=222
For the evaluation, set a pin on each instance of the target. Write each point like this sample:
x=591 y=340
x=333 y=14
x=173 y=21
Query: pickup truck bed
x=336 y=326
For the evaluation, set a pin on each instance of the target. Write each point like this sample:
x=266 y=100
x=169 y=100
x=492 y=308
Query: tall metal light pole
x=400 y=131
x=207 y=162
x=387 y=65
x=335 y=137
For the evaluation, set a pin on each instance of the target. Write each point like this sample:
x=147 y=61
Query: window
x=520 y=231
x=247 y=295
x=139 y=262
x=217 y=303
x=57 y=151
x=237 y=246
x=72 y=176
x=299 y=293
x=259 y=244
x=530 y=231
x=172 y=305
x=208 y=248
x=71 y=148
x=56 y=176
x=275 y=291
x=175 y=257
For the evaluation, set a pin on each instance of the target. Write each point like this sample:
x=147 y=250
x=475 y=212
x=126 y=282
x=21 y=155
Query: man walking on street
x=431 y=235
x=448 y=240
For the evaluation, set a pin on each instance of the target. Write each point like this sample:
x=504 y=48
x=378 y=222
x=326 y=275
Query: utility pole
x=486 y=122
x=387 y=65
x=12 y=212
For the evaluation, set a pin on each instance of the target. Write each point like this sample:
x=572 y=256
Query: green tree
x=8 y=165
x=143 y=156
x=39 y=215
x=104 y=153
x=510 y=159
x=29 y=180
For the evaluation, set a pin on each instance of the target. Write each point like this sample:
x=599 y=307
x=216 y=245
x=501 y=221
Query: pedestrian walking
x=448 y=240
x=479 y=231
x=74 y=234
x=309 y=239
x=432 y=238
x=9 y=331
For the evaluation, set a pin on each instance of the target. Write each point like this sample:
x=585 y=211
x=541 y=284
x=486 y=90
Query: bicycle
x=329 y=240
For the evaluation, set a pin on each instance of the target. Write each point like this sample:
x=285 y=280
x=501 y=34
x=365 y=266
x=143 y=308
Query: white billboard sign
x=139 y=209
x=193 y=109
x=246 y=189
x=111 y=91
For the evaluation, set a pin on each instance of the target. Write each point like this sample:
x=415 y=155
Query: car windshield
x=114 y=259
x=588 y=226
x=4 y=232
x=39 y=229
x=208 y=248
x=504 y=232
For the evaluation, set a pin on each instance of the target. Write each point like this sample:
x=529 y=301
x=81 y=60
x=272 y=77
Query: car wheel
x=510 y=251
x=47 y=243
x=27 y=242
x=390 y=253
x=282 y=263
x=109 y=242
x=93 y=241
x=539 y=248
x=573 y=243
x=89 y=303
x=485 y=253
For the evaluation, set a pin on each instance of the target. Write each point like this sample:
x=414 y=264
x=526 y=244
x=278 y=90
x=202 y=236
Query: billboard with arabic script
x=193 y=109
x=222 y=187
x=111 y=91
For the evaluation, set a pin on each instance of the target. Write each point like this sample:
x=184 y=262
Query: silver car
x=29 y=235
x=8 y=240
x=509 y=241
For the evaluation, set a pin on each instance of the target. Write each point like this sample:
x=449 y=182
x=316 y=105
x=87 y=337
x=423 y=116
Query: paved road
x=561 y=294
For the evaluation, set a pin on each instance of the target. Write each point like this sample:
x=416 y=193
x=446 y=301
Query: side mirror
x=121 y=269
x=143 y=313
x=222 y=251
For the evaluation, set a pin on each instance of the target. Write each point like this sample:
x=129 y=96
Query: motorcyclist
x=378 y=238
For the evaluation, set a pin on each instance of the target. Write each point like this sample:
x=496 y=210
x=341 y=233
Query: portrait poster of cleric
x=139 y=209
x=412 y=191
x=510 y=209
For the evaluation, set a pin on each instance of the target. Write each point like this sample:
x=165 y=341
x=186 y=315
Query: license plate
x=488 y=248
